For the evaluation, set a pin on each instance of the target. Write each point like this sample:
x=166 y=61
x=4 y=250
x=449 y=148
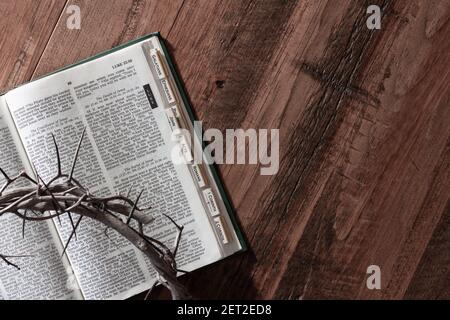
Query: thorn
x=72 y=224
x=71 y=235
x=9 y=263
x=134 y=207
x=182 y=271
x=4 y=187
x=178 y=237
x=56 y=205
x=129 y=192
x=37 y=179
x=151 y=289
x=23 y=174
x=23 y=223
x=76 y=155
x=57 y=155
x=5 y=175
x=173 y=221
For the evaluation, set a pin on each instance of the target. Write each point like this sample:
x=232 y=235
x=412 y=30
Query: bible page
x=128 y=143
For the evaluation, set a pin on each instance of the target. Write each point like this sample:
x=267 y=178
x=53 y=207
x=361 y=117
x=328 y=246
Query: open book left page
x=127 y=143
x=43 y=274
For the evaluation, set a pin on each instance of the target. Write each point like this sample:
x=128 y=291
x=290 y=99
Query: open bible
x=130 y=101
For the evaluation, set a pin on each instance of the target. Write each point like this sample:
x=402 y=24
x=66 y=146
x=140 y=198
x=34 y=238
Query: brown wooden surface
x=364 y=128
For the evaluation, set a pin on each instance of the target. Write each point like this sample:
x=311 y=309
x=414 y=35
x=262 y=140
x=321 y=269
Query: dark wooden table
x=364 y=127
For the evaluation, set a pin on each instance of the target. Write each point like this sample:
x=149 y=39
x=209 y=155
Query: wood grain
x=25 y=29
x=104 y=26
x=364 y=129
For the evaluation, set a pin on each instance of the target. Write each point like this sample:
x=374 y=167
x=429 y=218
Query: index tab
x=185 y=149
x=198 y=175
x=175 y=110
x=168 y=92
x=211 y=202
x=221 y=232
x=173 y=122
x=156 y=60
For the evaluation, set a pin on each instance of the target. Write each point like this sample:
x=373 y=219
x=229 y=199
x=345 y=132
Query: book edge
x=91 y=58
x=215 y=175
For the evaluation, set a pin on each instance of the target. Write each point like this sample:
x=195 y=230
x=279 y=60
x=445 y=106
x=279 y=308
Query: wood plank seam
x=49 y=38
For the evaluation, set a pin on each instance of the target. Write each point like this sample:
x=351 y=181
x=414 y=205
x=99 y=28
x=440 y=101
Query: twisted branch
x=63 y=194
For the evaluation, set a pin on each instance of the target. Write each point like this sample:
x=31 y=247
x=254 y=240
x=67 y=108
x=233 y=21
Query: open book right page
x=42 y=274
x=127 y=145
